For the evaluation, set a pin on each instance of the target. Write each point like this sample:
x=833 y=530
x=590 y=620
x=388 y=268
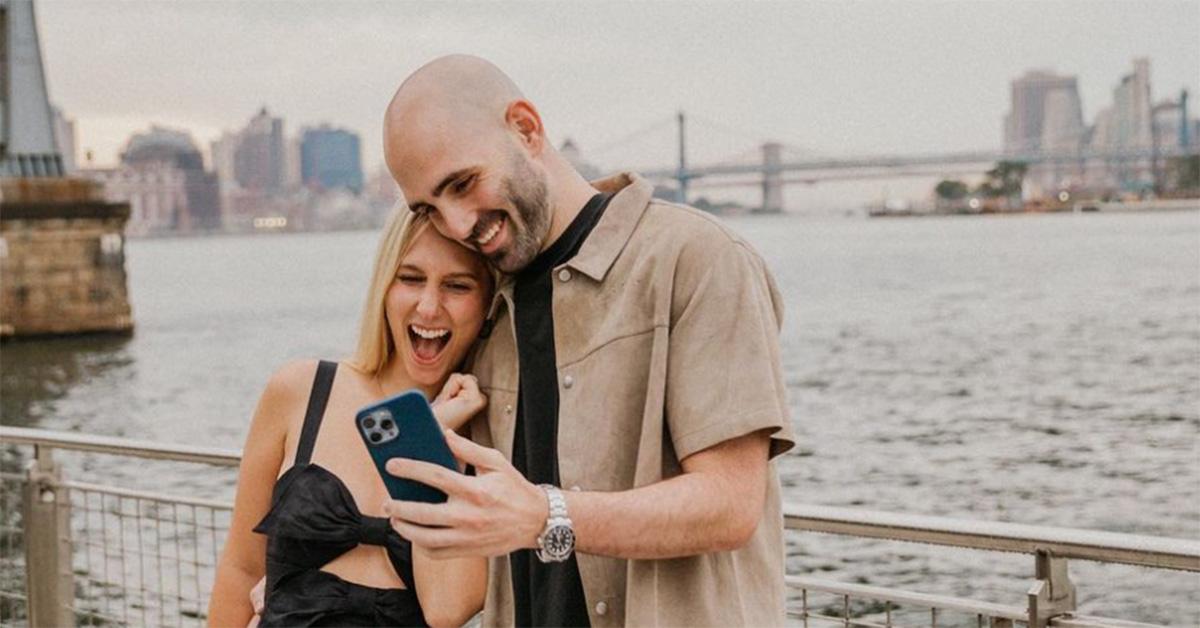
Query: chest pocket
x=610 y=412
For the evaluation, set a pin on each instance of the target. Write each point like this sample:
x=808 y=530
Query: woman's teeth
x=428 y=333
x=490 y=233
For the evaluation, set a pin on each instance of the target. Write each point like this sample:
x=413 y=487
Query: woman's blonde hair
x=375 y=344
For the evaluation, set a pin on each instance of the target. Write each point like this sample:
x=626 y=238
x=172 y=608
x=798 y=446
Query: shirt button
x=564 y=275
x=601 y=608
x=568 y=381
x=508 y=409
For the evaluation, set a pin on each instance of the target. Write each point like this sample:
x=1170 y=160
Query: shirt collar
x=632 y=196
x=612 y=233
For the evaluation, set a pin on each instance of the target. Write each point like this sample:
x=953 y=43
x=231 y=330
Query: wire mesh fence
x=143 y=559
x=12 y=554
x=137 y=558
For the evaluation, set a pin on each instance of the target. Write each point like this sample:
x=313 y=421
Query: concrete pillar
x=772 y=185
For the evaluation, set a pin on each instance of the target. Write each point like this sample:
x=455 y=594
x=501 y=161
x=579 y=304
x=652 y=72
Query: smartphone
x=404 y=427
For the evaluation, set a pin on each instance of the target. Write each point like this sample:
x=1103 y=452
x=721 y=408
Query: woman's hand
x=257 y=597
x=459 y=400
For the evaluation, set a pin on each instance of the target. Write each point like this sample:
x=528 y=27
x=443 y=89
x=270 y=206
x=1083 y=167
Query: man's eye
x=463 y=184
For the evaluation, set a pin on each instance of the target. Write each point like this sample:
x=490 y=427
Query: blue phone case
x=404 y=427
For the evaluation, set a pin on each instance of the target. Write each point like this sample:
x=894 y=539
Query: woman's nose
x=427 y=305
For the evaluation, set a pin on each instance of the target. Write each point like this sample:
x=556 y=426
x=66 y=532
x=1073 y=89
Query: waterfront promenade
x=1034 y=369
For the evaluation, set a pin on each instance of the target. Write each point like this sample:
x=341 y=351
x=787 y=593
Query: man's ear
x=523 y=119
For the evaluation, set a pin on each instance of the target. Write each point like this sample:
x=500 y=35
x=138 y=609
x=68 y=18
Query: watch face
x=559 y=541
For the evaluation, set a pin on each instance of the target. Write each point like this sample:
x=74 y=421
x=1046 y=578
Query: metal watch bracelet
x=557 y=540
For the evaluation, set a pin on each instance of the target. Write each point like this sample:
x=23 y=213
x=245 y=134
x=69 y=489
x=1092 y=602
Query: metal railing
x=1050 y=599
x=105 y=555
x=101 y=555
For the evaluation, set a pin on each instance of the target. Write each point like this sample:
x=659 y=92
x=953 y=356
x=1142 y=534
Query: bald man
x=624 y=465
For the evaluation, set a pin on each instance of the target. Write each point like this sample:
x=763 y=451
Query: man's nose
x=457 y=223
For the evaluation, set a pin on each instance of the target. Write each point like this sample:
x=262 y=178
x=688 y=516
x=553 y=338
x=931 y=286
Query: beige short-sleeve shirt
x=666 y=332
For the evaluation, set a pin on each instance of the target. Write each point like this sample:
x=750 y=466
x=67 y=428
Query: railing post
x=46 y=523
x=1053 y=593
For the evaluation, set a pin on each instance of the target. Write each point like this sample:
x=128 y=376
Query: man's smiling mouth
x=489 y=227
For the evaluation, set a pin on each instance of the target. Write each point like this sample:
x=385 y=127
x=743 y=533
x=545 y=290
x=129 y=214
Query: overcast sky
x=831 y=78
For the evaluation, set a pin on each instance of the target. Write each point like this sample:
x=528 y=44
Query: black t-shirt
x=544 y=594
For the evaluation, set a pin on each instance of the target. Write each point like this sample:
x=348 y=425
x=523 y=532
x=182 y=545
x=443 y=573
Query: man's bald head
x=460 y=82
x=458 y=92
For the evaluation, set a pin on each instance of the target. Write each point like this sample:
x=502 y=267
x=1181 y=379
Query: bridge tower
x=772 y=185
x=62 y=245
x=1185 y=134
x=27 y=147
x=681 y=175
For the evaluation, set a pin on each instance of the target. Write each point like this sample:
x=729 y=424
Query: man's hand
x=491 y=514
x=459 y=400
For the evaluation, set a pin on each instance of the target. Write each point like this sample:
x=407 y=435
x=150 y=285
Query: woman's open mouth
x=428 y=343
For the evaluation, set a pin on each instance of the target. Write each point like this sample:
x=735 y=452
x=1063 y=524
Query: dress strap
x=322 y=384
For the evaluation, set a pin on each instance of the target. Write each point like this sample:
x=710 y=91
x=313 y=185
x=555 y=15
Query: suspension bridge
x=771 y=165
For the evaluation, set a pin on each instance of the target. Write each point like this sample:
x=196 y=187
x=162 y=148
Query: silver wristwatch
x=557 y=540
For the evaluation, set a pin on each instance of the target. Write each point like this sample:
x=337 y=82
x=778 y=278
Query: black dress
x=313 y=520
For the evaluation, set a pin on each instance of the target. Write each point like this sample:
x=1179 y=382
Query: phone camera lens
x=375 y=437
x=386 y=424
x=368 y=423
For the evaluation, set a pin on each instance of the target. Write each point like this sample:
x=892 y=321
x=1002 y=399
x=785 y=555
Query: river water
x=1040 y=369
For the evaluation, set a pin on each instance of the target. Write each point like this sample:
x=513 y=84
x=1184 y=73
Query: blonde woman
x=308 y=512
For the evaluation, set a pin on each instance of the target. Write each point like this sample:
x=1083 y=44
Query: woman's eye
x=410 y=279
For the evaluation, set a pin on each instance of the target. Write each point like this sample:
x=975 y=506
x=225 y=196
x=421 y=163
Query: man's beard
x=526 y=191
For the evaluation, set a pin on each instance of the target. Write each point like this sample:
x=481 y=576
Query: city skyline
x=837 y=79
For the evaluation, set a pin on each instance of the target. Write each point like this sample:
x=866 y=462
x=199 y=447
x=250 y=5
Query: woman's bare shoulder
x=288 y=387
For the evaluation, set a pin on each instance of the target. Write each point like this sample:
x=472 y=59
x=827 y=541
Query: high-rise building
x=259 y=172
x=258 y=159
x=1046 y=116
x=163 y=179
x=1174 y=132
x=1045 y=113
x=223 y=150
x=1131 y=108
x=331 y=158
x=292 y=178
x=1169 y=121
x=1099 y=173
x=1132 y=125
